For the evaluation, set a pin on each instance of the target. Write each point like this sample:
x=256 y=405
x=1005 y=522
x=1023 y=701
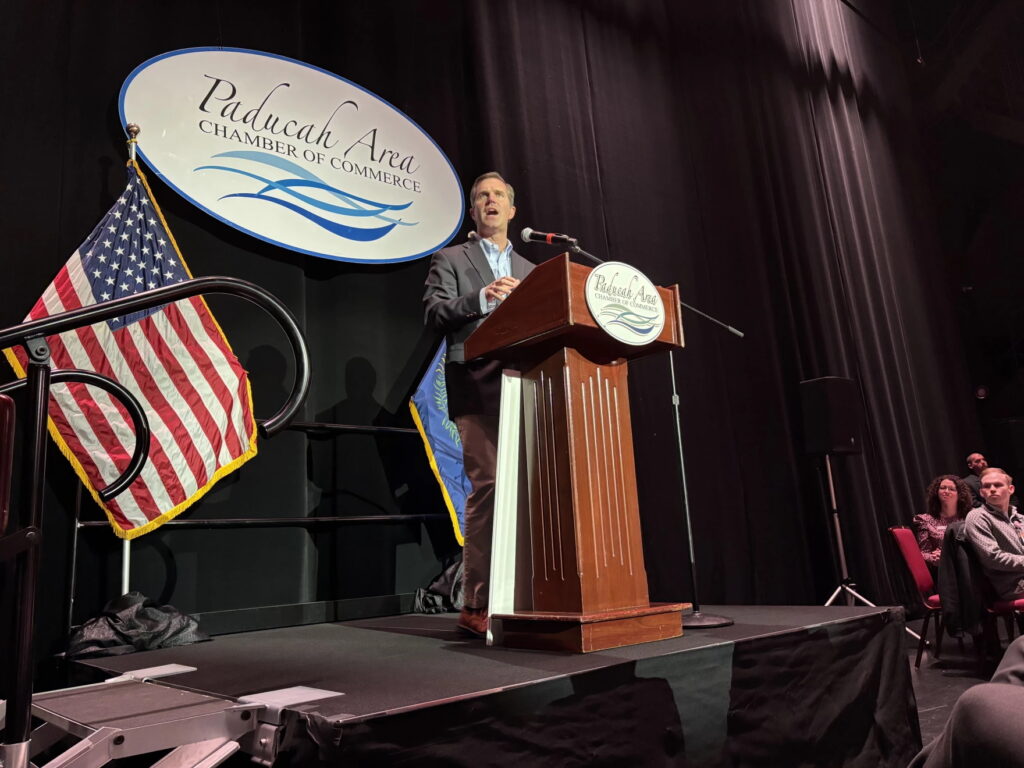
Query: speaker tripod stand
x=846 y=584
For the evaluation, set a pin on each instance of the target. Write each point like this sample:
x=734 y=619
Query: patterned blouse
x=930 y=531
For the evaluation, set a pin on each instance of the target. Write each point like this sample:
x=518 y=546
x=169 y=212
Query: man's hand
x=500 y=288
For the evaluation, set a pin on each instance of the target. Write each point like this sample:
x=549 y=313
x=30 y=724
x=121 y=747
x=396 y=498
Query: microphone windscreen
x=472 y=235
x=526 y=233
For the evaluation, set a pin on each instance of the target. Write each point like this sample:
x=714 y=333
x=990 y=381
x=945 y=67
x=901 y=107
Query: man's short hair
x=990 y=470
x=973 y=453
x=492 y=175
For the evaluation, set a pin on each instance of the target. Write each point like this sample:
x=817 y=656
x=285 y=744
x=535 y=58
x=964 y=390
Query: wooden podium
x=580 y=582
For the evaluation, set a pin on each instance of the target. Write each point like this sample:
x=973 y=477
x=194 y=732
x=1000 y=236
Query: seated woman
x=947 y=499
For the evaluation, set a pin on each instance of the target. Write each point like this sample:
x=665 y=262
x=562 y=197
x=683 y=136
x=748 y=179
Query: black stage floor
x=793 y=685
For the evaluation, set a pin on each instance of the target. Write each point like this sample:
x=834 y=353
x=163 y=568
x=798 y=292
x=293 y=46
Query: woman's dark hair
x=963 y=496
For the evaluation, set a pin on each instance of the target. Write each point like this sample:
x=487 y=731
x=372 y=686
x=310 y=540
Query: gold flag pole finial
x=133 y=132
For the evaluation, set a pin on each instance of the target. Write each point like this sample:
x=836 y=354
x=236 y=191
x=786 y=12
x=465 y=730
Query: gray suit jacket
x=451 y=298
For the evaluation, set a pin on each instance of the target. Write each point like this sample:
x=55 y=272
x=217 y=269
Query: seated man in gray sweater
x=995 y=532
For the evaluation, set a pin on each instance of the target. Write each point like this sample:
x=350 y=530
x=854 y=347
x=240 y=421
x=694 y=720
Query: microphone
x=472 y=235
x=531 y=235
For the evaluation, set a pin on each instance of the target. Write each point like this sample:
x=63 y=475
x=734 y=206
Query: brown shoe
x=473 y=621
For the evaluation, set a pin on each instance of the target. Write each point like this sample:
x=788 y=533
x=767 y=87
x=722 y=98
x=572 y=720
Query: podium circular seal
x=625 y=303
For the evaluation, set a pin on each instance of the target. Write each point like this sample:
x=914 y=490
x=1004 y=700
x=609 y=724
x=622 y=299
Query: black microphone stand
x=697 y=619
x=575 y=249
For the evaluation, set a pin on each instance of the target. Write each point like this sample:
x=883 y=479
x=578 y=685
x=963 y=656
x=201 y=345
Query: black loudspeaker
x=832 y=415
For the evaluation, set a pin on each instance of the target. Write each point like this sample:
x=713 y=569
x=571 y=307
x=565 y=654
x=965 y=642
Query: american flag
x=174 y=359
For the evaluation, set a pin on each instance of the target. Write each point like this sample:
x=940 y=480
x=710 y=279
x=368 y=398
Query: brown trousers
x=479 y=434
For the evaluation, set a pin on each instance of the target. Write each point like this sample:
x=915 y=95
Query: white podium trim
x=506 y=504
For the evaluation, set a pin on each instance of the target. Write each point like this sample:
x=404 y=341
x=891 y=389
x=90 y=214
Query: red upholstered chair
x=1010 y=610
x=906 y=541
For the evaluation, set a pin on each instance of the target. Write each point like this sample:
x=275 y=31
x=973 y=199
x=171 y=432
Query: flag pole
x=126 y=544
x=133 y=131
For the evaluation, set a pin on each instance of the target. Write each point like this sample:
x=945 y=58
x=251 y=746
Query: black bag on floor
x=445 y=591
x=131 y=623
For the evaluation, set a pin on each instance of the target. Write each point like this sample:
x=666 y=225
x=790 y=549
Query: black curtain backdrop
x=762 y=155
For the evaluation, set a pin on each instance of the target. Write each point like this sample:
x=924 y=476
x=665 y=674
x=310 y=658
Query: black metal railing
x=138 y=416
x=24 y=568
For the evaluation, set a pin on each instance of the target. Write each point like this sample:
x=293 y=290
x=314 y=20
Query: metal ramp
x=135 y=714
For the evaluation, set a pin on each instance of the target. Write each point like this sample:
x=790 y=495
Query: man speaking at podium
x=465 y=283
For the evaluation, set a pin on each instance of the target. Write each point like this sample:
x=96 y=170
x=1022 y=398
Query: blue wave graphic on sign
x=627 y=318
x=355 y=206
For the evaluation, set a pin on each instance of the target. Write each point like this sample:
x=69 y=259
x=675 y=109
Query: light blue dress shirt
x=500 y=262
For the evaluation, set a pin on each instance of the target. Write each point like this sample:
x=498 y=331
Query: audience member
x=976 y=464
x=986 y=727
x=946 y=499
x=994 y=531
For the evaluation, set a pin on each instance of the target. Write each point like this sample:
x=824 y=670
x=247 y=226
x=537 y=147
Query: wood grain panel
x=604 y=485
x=585 y=539
x=585 y=633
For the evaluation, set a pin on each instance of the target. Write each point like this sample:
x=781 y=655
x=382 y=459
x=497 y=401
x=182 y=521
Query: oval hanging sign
x=293 y=154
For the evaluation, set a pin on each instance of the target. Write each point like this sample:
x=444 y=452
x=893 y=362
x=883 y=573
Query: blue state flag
x=429 y=406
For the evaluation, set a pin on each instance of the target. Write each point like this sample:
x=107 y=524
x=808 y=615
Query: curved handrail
x=18 y=671
x=107 y=310
x=131 y=404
